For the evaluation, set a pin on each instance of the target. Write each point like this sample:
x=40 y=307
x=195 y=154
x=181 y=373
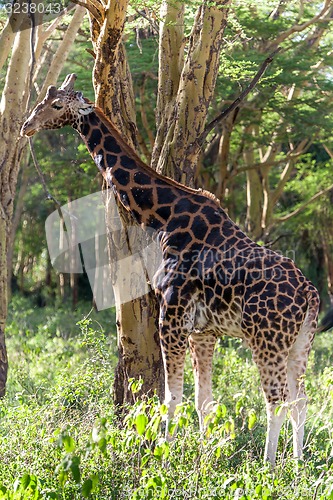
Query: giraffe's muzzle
x=28 y=129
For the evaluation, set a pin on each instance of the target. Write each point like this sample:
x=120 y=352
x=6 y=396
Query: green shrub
x=60 y=437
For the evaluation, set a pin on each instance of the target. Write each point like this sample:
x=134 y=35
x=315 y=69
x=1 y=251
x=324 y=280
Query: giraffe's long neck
x=147 y=196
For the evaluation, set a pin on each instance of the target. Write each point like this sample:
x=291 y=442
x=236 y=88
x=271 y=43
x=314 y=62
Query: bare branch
x=268 y=164
x=301 y=148
x=301 y=27
x=328 y=151
x=269 y=244
x=51 y=28
x=62 y=51
x=7 y=39
x=151 y=21
x=222 y=116
x=304 y=205
x=49 y=196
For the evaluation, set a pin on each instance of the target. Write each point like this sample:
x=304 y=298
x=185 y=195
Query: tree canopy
x=266 y=161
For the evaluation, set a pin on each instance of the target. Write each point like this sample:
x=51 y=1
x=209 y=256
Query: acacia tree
x=15 y=48
x=271 y=132
x=185 y=90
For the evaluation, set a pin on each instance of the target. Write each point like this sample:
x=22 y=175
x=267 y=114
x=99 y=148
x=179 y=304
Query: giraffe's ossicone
x=213 y=280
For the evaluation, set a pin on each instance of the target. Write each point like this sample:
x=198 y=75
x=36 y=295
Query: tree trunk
x=185 y=92
x=254 y=193
x=171 y=62
x=12 y=102
x=13 y=105
x=138 y=340
x=329 y=264
x=16 y=220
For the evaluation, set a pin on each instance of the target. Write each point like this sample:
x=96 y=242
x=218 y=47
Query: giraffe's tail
x=313 y=301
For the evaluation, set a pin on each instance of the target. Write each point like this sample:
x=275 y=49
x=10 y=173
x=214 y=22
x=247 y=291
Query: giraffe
x=213 y=279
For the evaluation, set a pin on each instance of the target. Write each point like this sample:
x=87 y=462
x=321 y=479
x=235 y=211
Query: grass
x=60 y=437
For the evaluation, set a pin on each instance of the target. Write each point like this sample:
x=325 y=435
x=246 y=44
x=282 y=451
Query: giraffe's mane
x=132 y=153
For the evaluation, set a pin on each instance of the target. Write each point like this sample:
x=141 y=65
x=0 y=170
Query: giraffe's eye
x=56 y=105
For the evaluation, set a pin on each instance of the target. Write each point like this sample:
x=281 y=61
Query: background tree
x=15 y=44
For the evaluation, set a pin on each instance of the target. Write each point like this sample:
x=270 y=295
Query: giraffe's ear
x=85 y=108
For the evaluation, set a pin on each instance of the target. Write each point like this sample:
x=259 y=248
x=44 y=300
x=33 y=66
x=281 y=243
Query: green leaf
x=87 y=488
x=68 y=443
x=158 y=452
x=75 y=469
x=252 y=419
x=25 y=481
x=144 y=460
x=221 y=411
x=102 y=445
x=141 y=422
x=63 y=476
x=163 y=409
x=183 y=421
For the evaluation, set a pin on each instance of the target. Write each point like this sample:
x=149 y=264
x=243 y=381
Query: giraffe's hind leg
x=273 y=376
x=202 y=350
x=297 y=362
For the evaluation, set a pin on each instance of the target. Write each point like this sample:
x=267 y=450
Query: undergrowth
x=61 y=439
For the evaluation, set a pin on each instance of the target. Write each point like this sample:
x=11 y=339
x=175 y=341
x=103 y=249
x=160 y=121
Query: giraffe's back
x=254 y=293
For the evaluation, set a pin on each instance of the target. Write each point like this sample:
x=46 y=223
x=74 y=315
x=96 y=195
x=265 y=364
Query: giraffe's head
x=60 y=107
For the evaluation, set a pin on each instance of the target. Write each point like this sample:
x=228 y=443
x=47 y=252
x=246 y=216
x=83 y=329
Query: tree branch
x=267 y=164
x=42 y=37
x=240 y=98
x=300 y=27
x=97 y=14
x=304 y=205
x=49 y=196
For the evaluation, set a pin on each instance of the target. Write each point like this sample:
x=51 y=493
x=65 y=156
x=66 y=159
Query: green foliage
x=300 y=68
x=61 y=439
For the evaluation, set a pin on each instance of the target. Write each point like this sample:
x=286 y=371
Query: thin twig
x=269 y=244
x=49 y=196
x=240 y=98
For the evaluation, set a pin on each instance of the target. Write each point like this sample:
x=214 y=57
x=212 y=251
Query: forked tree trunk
x=184 y=94
x=137 y=330
x=177 y=149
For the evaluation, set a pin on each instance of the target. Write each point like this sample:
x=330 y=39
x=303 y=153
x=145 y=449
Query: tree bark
x=171 y=62
x=12 y=102
x=138 y=340
x=180 y=152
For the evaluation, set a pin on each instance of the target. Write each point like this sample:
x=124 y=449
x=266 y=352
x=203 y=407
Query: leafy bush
x=61 y=439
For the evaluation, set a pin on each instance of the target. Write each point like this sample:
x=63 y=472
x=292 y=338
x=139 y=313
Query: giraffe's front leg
x=202 y=350
x=173 y=346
